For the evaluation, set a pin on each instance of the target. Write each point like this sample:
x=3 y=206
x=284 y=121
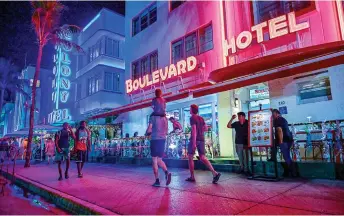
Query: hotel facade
x=231 y=56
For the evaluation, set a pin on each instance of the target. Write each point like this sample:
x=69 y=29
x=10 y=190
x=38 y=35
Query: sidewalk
x=126 y=189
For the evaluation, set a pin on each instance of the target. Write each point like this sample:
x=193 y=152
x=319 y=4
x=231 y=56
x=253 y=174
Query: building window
x=144 y=19
x=194 y=44
x=136 y=26
x=78 y=91
x=177 y=51
x=112 y=48
x=93 y=85
x=112 y=81
x=135 y=70
x=145 y=65
x=206 y=39
x=152 y=15
x=175 y=4
x=314 y=90
x=265 y=10
x=153 y=62
x=191 y=45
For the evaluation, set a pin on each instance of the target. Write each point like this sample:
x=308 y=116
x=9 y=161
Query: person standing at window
x=198 y=127
x=283 y=139
x=241 y=140
x=177 y=127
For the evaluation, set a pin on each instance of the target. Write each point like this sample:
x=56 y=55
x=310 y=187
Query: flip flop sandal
x=190 y=179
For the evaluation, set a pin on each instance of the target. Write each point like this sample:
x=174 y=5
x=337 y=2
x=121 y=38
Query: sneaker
x=156 y=183
x=60 y=178
x=80 y=175
x=168 y=177
x=66 y=176
x=216 y=178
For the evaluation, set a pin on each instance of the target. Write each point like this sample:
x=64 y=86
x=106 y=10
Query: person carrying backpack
x=62 y=148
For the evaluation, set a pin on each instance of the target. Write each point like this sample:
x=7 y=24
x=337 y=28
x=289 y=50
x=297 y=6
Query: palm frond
x=68 y=44
x=67 y=29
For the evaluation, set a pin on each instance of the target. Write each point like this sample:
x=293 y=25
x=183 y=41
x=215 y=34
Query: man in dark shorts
x=82 y=144
x=157 y=129
x=62 y=148
x=198 y=127
x=241 y=140
x=283 y=139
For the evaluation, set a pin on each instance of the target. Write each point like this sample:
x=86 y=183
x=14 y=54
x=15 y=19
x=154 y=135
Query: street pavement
x=126 y=189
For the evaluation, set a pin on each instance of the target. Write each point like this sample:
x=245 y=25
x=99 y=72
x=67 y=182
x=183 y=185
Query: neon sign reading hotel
x=161 y=75
x=277 y=27
x=61 y=84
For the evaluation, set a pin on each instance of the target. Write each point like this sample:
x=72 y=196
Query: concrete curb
x=60 y=199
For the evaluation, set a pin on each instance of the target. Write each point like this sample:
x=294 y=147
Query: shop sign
x=59 y=116
x=173 y=70
x=61 y=84
x=258 y=94
x=277 y=27
x=260 y=128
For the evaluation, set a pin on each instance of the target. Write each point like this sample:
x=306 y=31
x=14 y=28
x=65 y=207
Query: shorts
x=157 y=148
x=200 y=148
x=80 y=156
x=64 y=155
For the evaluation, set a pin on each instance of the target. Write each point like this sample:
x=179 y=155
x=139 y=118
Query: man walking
x=62 y=148
x=158 y=129
x=283 y=138
x=241 y=140
x=82 y=144
x=198 y=127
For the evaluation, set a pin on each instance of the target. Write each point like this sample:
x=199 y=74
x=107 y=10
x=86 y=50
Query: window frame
x=149 y=69
x=145 y=12
x=173 y=9
x=198 y=44
x=299 y=13
x=199 y=38
x=114 y=86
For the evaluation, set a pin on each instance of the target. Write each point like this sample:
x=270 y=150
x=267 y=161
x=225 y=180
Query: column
x=224 y=109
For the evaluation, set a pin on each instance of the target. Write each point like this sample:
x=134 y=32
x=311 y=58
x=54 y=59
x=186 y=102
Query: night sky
x=18 y=39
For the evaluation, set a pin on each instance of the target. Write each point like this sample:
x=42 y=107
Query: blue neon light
x=92 y=21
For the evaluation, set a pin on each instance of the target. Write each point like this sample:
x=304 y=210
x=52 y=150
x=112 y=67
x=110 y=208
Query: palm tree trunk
x=32 y=108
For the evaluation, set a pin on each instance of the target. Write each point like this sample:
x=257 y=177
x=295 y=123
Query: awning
x=140 y=105
x=275 y=61
x=274 y=66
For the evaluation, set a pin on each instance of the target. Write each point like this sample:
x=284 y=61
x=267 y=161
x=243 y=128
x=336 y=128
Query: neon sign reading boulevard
x=161 y=75
x=278 y=27
x=61 y=84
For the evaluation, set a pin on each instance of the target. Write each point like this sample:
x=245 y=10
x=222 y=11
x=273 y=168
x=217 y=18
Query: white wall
x=286 y=90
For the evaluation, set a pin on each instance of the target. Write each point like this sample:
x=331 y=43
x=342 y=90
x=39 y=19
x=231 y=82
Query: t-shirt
x=82 y=136
x=199 y=122
x=282 y=123
x=159 y=127
x=63 y=136
x=159 y=106
x=241 y=132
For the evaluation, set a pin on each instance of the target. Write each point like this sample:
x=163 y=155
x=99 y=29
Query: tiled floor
x=127 y=190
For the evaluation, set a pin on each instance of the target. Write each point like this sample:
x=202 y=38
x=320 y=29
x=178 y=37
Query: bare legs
x=206 y=163
x=158 y=162
x=60 y=169
x=80 y=165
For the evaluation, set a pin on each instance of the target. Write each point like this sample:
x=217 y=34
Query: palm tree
x=46 y=22
x=10 y=80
